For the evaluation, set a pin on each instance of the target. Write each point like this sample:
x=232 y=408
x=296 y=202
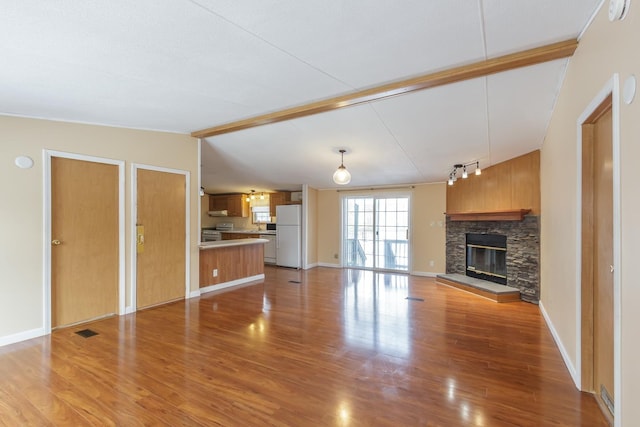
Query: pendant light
x=342 y=176
x=251 y=196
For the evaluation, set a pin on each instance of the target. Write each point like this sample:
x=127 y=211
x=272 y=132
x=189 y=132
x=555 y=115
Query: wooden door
x=84 y=231
x=160 y=273
x=603 y=258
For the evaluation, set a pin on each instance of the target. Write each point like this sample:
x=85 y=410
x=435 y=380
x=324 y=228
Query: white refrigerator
x=289 y=236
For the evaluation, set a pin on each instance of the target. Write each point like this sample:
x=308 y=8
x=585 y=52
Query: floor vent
x=415 y=299
x=294 y=281
x=606 y=398
x=86 y=333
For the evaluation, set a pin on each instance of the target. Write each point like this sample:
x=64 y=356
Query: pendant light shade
x=342 y=176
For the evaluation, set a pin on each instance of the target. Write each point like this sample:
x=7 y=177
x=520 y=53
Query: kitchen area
x=270 y=221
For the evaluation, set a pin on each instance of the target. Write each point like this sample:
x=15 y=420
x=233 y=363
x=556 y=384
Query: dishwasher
x=269 y=248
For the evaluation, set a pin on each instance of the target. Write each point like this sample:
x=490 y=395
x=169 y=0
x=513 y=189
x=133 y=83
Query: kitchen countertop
x=228 y=243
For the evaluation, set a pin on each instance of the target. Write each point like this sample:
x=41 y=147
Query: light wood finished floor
x=341 y=348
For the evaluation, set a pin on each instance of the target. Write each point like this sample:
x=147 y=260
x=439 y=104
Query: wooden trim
x=600 y=110
x=587 y=249
x=509 y=215
x=482 y=68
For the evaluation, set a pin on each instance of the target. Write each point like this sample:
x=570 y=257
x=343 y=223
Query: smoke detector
x=618 y=9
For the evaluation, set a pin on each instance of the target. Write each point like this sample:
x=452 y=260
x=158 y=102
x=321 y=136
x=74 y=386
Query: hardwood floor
x=340 y=348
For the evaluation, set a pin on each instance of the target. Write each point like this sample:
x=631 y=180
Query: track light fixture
x=453 y=175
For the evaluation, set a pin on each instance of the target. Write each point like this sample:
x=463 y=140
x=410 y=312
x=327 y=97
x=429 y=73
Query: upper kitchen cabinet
x=237 y=205
x=234 y=204
x=218 y=202
x=276 y=199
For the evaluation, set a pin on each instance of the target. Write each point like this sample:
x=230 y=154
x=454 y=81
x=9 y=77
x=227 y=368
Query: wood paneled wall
x=514 y=184
x=233 y=263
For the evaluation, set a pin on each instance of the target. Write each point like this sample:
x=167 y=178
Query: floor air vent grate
x=294 y=281
x=415 y=299
x=86 y=333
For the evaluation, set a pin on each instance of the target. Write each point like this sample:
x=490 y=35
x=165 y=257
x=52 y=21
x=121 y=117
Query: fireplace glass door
x=487 y=257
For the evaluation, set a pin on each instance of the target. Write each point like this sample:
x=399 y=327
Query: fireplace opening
x=487 y=257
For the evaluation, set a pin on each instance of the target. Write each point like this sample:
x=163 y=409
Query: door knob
x=611 y=268
x=56 y=242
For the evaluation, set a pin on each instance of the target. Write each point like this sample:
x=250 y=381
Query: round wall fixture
x=618 y=9
x=629 y=89
x=24 y=162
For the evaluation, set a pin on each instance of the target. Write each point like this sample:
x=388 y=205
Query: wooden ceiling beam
x=487 y=67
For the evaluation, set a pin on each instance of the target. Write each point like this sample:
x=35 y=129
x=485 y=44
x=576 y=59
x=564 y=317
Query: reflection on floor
x=373 y=304
x=339 y=348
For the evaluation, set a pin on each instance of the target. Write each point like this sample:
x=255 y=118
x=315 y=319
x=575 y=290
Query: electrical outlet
x=431 y=263
x=215 y=272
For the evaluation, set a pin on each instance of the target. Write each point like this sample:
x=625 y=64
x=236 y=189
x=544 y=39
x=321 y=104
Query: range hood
x=218 y=213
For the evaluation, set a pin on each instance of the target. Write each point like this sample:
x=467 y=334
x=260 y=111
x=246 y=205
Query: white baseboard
x=231 y=283
x=424 y=273
x=21 y=336
x=310 y=266
x=326 y=264
x=563 y=351
x=195 y=294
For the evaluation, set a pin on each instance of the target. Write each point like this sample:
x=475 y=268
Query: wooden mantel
x=508 y=215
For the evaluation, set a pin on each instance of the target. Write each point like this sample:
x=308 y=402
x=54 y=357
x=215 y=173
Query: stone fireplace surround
x=523 y=250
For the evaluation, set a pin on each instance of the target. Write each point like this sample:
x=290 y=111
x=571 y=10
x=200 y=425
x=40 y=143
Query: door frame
x=610 y=89
x=382 y=193
x=132 y=307
x=47 y=156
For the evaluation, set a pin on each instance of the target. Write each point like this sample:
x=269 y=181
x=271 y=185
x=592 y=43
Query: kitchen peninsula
x=227 y=263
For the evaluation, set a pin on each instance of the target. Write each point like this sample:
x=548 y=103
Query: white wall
x=21 y=209
x=605 y=49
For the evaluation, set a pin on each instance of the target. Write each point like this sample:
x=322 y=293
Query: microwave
x=271 y=226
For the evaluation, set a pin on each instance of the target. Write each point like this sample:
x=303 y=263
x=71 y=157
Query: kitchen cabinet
x=235 y=204
x=276 y=199
x=224 y=260
x=269 y=249
x=233 y=236
x=217 y=202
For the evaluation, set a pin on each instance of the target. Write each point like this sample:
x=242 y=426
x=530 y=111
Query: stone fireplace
x=521 y=257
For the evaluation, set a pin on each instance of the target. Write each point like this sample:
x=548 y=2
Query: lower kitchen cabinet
x=233 y=236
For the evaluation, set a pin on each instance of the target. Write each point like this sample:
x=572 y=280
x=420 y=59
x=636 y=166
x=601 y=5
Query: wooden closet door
x=161 y=267
x=84 y=231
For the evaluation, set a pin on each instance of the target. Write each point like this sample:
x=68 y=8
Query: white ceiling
x=185 y=65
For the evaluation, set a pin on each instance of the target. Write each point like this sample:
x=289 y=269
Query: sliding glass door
x=376 y=232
